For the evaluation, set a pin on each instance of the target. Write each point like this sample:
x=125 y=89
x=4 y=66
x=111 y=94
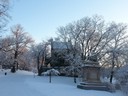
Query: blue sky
x=41 y=18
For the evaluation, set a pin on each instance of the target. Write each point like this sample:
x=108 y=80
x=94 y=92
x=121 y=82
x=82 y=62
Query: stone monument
x=91 y=75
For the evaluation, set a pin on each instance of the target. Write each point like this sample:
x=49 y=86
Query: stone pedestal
x=91 y=74
x=91 y=77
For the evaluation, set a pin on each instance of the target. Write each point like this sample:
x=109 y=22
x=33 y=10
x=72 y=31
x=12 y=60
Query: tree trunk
x=38 y=66
x=50 y=77
x=15 y=63
x=111 y=76
x=16 y=55
x=13 y=69
x=113 y=64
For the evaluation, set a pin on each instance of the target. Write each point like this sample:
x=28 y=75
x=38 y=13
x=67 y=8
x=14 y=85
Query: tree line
x=109 y=42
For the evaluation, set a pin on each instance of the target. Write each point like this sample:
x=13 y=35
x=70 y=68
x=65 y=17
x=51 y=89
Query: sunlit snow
x=24 y=83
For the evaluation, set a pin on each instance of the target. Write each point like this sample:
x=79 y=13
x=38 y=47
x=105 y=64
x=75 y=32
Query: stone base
x=95 y=86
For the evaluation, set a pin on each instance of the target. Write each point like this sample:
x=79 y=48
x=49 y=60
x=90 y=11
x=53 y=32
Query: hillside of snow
x=24 y=83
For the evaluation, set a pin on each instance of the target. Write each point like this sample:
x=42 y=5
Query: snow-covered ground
x=24 y=83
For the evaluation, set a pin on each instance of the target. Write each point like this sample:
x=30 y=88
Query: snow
x=51 y=71
x=24 y=83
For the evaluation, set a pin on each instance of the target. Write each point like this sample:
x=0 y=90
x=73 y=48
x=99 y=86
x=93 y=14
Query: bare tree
x=25 y=61
x=86 y=35
x=39 y=53
x=6 y=51
x=116 y=47
x=89 y=35
x=4 y=8
x=20 y=42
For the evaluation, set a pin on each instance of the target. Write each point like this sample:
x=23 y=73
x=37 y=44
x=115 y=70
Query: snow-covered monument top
x=91 y=60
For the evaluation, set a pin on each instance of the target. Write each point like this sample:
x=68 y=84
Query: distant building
x=58 y=51
x=60 y=46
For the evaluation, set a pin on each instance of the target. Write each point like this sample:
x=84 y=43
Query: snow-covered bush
x=105 y=72
x=52 y=72
x=111 y=87
x=72 y=71
x=75 y=64
x=122 y=77
x=124 y=88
